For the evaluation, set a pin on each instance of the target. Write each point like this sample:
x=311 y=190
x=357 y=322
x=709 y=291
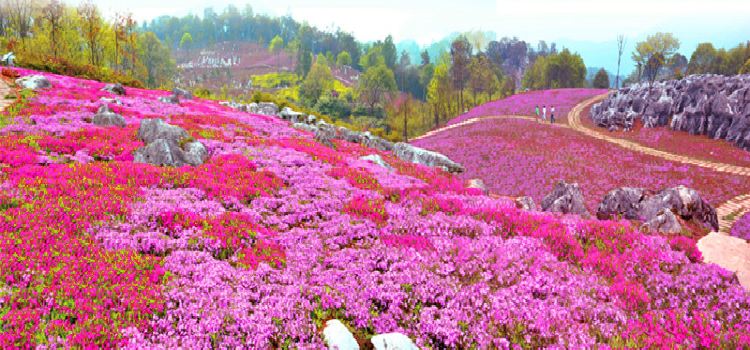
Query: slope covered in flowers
x=276 y=234
x=524 y=103
x=519 y=157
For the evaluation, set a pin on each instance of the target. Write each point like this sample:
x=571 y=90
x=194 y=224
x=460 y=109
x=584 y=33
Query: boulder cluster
x=659 y=211
x=713 y=105
x=338 y=337
x=168 y=145
x=176 y=95
x=325 y=133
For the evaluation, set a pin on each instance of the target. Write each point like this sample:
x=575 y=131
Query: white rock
x=393 y=341
x=34 y=82
x=338 y=337
x=377 y=159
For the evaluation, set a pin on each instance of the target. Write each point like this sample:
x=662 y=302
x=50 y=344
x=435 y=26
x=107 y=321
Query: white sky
x=425 y=20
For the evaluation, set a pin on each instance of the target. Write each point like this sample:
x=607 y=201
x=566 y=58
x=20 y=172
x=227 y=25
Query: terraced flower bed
x=519 y=157
x=277 y=234
x=524 y=103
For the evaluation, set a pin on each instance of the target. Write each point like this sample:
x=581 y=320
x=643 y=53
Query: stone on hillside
x=712 y=105
x=116 y=89
x=338 y=337
x=106 y=117
x=377 y=159
x=565 y=198
x=267 y=108
x=108 y=100
x=683 y=201
x=325 y=134
x=664 y=221
x=173 y=99
x=393 y=341
x=33 y=82
x=168 y=145
x=305 y=127
x=181 y=93
x=289 y=114
x=621 y=202
x=153 y=129
x=311 y=119
x=526 y=203
x=422 y=156
x=478 y=184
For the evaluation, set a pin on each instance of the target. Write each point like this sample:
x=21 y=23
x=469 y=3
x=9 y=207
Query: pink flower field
x=518 y=157
x=523 y=104
x=276 y=234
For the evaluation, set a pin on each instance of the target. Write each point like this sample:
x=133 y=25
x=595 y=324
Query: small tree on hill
x=375 y=84
x=460 y=58
x=343 y=59
x=318 y=81
x=275 y=47
x=601 y=80
x=653 y=53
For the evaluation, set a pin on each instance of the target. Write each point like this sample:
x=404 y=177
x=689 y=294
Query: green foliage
x=277 y=43
x=344 y=59
x=653 y=53
x=318 y=81
x=601 y=80
x=375 y=85
x=186 y=43
x=558 y=70
x=334 y=107
x=746 y=67
x=275 y=80
x=706 y=59
x=79 y=69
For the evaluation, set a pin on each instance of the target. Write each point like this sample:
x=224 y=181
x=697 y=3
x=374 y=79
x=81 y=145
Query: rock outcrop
x=173 y=99
x=392 y=341
x=659 y=211
x=567 y=199
x=168 y=145
x=116 y=89
x=526 y=203
x=712 y=105
x=106 y=117
x=181 y=93
x=33 y=82
x=376 y=159
x=479 y=185
x=422 y=156
x=338 y=337
x=326 y=133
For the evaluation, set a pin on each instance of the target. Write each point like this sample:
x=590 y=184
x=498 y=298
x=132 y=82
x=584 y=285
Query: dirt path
x=477 y=119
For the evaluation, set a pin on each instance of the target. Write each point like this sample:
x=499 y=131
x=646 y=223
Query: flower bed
x=524 y=103
x=276 y=234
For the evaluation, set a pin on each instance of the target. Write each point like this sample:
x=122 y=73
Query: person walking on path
x=552 y=115
x=544 y=112
x=536 y=110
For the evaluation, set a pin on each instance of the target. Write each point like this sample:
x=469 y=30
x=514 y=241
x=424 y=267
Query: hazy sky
x=574 y=23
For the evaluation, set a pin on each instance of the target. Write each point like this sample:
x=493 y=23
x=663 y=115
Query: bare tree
x=19 y=15
x=91 y=27
x=53 y=14
x=620 y=48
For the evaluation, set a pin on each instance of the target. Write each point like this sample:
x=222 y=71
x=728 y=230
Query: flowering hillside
x=524 y=103
x=519 y=157
x=276 y=234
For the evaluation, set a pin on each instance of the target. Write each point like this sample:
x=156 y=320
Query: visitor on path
x=544 y=112
x=552 y=115
x=536 y=110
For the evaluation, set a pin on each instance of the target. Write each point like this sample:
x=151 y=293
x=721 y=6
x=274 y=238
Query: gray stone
x=106 y=117
x=153 y=129
x=377 y=159
x=305 y=127
x=422 y=156
x=477 y=184
x=567 y=199
x=289 y=114
x=267 y=108
x=108 y=100
x=33 y=82
x=181 y=93
x=168 y=145
x=173 y=99
x=526 y=203
x=393 y=341
x=338 y=337
x=664 y=221
x=116 y=89
x=621 y=202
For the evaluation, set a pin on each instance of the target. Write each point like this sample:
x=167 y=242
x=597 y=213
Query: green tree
x=601 y=80
x=702 y=59
x=375 y=84
x=186 y=42
x=343 y=59
x=440 y=90
x=373 y=57
x=745 y=68
x=389 y=52
x=535 y=76
x=92 y=27
x=53 y=15
x=460 y=59
x=318 y=81
x=482 y=79
x=653 y=53
x=156 y=58
x=275 y=47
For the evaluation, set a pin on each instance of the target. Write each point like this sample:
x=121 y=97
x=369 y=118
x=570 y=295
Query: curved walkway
x=477 y=119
